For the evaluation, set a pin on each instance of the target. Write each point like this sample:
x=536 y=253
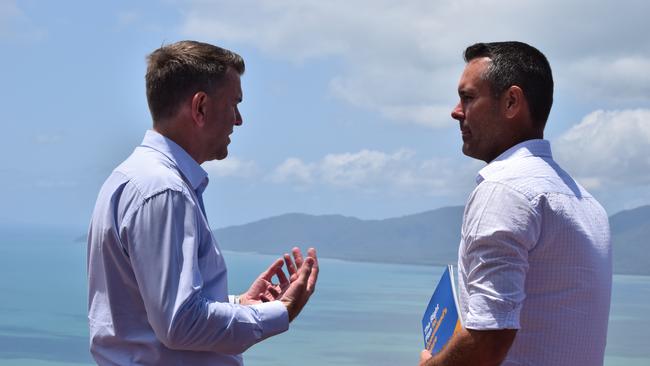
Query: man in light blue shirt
x=158 y=290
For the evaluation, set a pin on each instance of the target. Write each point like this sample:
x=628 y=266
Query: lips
x=465 y=133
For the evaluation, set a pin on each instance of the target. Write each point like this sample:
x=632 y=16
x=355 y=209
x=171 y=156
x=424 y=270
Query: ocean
x=361 y=313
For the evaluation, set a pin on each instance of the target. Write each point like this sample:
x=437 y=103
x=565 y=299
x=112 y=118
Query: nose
x=238 y=119
x=457 y=113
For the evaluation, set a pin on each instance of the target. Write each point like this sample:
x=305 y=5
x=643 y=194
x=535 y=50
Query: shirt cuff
x=486 y=313
x=274 y=318
x=233 y=299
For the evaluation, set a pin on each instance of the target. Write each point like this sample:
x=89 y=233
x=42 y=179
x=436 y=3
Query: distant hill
x=631 y=239
x=429 y=237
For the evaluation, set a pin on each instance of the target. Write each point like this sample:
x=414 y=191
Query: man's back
x=157 y=281
x=536 y=225
x=158 y=290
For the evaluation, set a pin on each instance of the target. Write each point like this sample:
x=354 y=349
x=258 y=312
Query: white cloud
x=621 y=79
x=360 y=169
x=425 y=115
x=403 y=59
x=15 y=25
x=377 y=172
x=231 y=167
x=293 y=170
x=608 y=150
x=8 y=10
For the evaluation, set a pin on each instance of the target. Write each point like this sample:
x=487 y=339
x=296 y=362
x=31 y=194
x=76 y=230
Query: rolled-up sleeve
x=163 y=238
x=499 y=230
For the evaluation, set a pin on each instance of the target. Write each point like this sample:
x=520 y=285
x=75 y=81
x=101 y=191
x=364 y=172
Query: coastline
x=406 y=263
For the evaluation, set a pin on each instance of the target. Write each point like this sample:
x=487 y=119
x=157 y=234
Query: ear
x=199 y=108
x=514 y=101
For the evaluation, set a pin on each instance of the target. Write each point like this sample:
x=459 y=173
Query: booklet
x=441 y=318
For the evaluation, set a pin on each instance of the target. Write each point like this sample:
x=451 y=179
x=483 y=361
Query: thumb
x=424 y=356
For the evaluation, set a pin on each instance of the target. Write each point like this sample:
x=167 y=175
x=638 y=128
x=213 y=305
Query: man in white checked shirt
x=535 y=266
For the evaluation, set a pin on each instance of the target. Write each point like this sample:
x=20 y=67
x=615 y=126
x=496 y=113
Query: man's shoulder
x=149 y=172
x=136 y=181
x=535 y=176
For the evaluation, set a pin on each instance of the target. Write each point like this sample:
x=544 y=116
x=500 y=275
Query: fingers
x=297 y=256
x=297 y=296
x=274 y=291
x=313 y=277
x=294 y=265
x=424 y=356
x=282 y=278
x=291 y=268
x=271 y=294
x=273 y=269
x=305 y=272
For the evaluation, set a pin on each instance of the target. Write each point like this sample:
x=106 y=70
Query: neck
x=528 y=132
x=174 y=131
x=531 y=134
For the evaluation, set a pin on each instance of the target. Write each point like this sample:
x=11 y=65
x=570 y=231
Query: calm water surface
x=361 y=314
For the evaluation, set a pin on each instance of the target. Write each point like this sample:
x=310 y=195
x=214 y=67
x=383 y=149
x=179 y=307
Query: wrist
x=235 y=299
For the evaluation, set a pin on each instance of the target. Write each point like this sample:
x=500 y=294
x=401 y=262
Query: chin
x=472 y=154
x=222 y=155
x=467 y=151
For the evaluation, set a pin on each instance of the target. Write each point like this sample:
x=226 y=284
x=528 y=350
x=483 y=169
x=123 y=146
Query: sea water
x=361 y=313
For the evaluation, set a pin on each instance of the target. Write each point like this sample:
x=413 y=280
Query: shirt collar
x=537 y=147
x=193 y=172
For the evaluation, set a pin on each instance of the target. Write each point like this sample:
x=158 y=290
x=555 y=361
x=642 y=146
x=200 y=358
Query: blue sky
x=346 y=103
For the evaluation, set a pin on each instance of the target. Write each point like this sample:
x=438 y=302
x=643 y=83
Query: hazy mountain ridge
x=430 y=237
x=630 y=238
x=374 y=240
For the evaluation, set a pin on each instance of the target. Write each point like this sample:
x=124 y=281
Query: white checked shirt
x=157 y=281
x=535 y=255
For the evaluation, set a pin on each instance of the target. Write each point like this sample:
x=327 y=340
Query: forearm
x=223 y=327
x=459 y=351
x=475 y=348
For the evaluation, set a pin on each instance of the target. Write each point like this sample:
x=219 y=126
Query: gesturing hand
x=291 y=291
x=304 y=274
x=293 y=268
x=262 y=289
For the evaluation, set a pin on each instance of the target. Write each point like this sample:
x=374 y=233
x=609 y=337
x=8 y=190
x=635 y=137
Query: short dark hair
x=517 y=63
x=178 y=70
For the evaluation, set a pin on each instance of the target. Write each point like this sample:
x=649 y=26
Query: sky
x=346 y=103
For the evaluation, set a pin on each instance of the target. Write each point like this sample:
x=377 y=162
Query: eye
x=466 y=98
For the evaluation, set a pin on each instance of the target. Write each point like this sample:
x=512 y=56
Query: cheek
x=479 y=117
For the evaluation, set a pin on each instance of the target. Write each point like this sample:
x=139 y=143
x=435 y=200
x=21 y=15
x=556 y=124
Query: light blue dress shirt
x=535 y=255
x=158 y=289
